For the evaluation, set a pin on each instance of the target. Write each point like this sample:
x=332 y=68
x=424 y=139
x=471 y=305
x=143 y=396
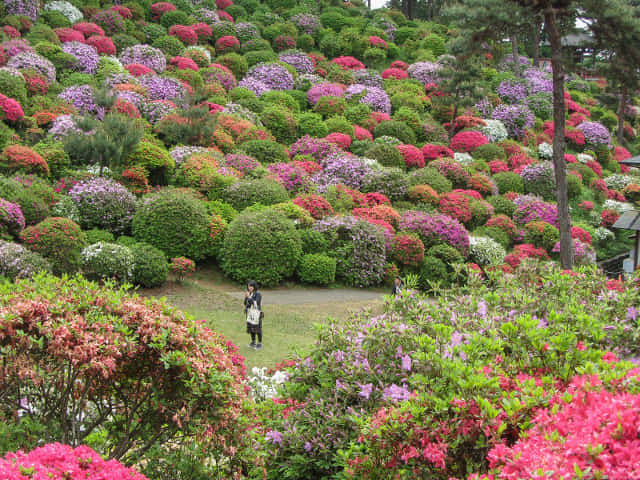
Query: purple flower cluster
x=208 y=16
x=118 y=79
x=226 y=79
x=81 y=97
x=307 y=23
x=539 y=81
x=19 y=262
x=512 y=91
x=104 y=203
x=15 y=46
x=595 y=133
x=246 y=31
x=425 y=72
x=324 y=90
x=256 y=86
x=529 y=208
x=583 y=253
x=31 y=60
x=242 y=163
x=63 y=126
x=269 y=75
x=341 y=169
x=292 y=177
x=11 y=218
x=507 y=62
x=145 y=55
x=436 y=229
x=298 y=60
x=155 y=110
x=183 y=152
x=27 y=8
x=132 y=97
x=368 y=78
x=164 y=88
x=362 y=248
x=537 y=172
x=516 y=118
x=317 y=148
x=375 y=97
x=86 y=55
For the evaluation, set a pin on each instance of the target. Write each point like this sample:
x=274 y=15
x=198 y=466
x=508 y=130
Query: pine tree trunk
x=515 y=51
x=452 y=127
x=621 y=109
x=536 y=43
x=559 y=164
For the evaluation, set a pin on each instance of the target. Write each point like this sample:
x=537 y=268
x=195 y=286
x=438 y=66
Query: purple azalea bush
x=425 y=72
x=164 y=88
x=317 y=148
x=81 y=97
x=62 y=126
x=146 y=55
x=27 y=8
x=267 y=75
x=517 y=118
x=368 y=78
x=298 y=60
x=375 y=97
x=86 y=55
x=436 y=229
x=32 y=61
x=155 y=110
x=512 y=91
x=529 y=208
x=324 y=90
x=595 y=133
x=341 y=169
x=15 y=46
x=292 y=177
x=243 y=163
x=307 y=23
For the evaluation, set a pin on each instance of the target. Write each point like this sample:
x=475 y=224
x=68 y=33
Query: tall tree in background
x=615 y=25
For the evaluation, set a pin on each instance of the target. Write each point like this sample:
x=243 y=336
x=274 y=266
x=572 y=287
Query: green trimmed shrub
x=339 y=124
x=432 y=177
x=96 y=235
x=387 y=155
x=502 y=205
x=265 y=151
x=508 y=182
x=264 y=191
x=177 y=17
x=396 y=129
x=317 y=269
x=282 y=124
x=311 y=124
x=263 y=246
x=490 y=151
x=108 y=261
x=433 y=271
x=313 y=242
x=150 y=267
x=169 y=44
x=174 y=222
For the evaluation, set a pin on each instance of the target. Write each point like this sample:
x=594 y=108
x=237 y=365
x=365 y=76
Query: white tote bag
x=253 y=314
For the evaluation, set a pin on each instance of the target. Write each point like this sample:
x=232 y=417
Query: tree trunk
x=536 y=43
x=621 y=108
x=452 y=127
x=559 y=164
x=409 y=9
x=516 y=55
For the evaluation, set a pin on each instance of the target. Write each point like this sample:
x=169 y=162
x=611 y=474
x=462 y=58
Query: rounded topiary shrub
x=105 y=204
x=57 y=239
x=508 y=182
x=175 y=223
x=96 y=235
x=265 y=191
x=317 y=269
x=387 y=155
x=102 y=261
x=265 y=151
x=263 y=246
x=19 y=262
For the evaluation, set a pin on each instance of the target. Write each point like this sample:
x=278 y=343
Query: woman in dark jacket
x=398 y=286
x=252 y=297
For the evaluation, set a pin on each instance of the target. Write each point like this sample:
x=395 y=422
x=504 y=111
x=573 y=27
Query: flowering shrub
x=595 y=133
x=456 y=205
x=377 y=42
x=160 y=8
x=33 y=61
x=467 y=141
x=86 y=56
x=539 y=178
x=515 y=118
x=10 y=109
x=375 y=97
x=316 y=205
x=185 y=34
x=11 y=219
x=17 y=262
x=425 y=72
x=485 y=251
x=292 y=177
x=525 y=250
x=348 y=63
x=102 y=261
x=145 y=55
x=58 y=462
x=324 y=90
x=436 y=229
x=18 y=158
x=413 y=157
x=531 y=208
x=267 y=76
x=104 y=204
x=59 y=240
x=88 y=29
x=432 y=152
x=407 y=249
x=609 y=217
x=394 y=73
x=111 y=22
x=182 y=267
x=424 y=194
x=103 y=45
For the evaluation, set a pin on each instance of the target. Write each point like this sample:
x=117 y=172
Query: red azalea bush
x=348 y=63
x=413 y=157
x=160 y=8
x=424 y=194
x=458 y=176
x=69 y=35
x=378 y=42
x=138 y=70
x=518 y=162
x=609 y=217
x=407 y=249
x=457 y=205
x=525 y=250
x=375 y=119
x=10 y=31
x=481 y=184
x=104 y=45
x=183 y=63
x=59 y=240
x=376 y=198
x=203 y=31
x=384 y=213
x=10 y=109
x=394 y=73
x=18 y=158
x=224 y=16
x=361 y=133
x=586 y=205
x=123 y=11
x=284 y=42
x=504 y=223
x=399 y=64
x=468 y=121
x=432 y=152
x=581 y=234
x=596 y=167
x=467 y=141
x=88 y=29
x=340 y=139
x=223 y=4
x=316 y=205
x=185 y=33
x=575 y=138
x=125 y=108
x=182 y=267
x=227 y=44
x=63 y=462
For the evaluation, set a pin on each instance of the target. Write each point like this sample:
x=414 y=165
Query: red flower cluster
x=424 y=194
x=138 y=70
x=525 y=250
x=574 y=107
x=187 y=35
x=377 y=42
x=432 y=152
x=227 y=44
x=160 y=8
x=481 y=184
x=126 y=108
x=135 y=179
x=399 y=64
x=19 y=158
x=224 y=16
x=10 y=31
x=361 y=133
x=284 y=42
x=468 y=121
x=407 y=249
x=203 y=31
x=413 y=157
x=576 y=119
x=89 y=28
x=104 y=45
x=310 y=167
x=123 y=11
x=376 y=198
x=586 y=205
x=596 y=167
x=385 y=213
x=348 y=63
x=575 y=137
x=223 y=4
x=316 y=205
x=183 y=63
x=394 y=73
x=497 y=166
x=457 y=205
x=69 y=35
x=11 y=109
x=375 y=119
x=467 y=141
x=504 y=223
x=581 y=234
x=340 y=139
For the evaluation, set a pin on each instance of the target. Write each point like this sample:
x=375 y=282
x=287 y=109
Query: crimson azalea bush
x=18 y=158
x=131 y=358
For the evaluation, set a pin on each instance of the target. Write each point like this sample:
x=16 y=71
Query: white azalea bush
x=265 y=386
x=102 y=261
x=545 y=151
x=65 y=8
x=494 y=130
x=618 y=181
x=486 y=251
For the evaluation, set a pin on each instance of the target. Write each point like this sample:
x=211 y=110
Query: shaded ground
x=290 y=313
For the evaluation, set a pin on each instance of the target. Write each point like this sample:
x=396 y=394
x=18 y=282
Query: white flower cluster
x=265 y=386
x=619 y=207
x=65 y=8
x=584 y=158
x=66 y=208
x=618 y=181
x=602 y=235
x=545 y=151
x=108 y=260
x=494 y=130
x=486 y=251
x=463 y=158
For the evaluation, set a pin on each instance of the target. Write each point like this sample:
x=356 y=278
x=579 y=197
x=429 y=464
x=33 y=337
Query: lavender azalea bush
x=341 y=169
x=28 y=8
x=324 y=90
x=425 y=72
x=375 y=97
x=529 y=208
x=86 y=55
x=512 y=91
x=164 y=88
x=144 y=55
x=267 y=75
x=516 y=118
x=81 y=97
x=298 y=60
x=33 y=61
x=595 y=134
x=436 y=229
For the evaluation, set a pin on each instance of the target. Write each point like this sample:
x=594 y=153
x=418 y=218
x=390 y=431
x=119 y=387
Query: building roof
x=632 y=162
x=629 y=220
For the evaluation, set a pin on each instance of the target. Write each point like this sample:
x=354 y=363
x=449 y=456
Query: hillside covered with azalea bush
x=325 y=144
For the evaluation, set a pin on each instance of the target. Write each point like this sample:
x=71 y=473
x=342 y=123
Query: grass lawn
x=286 y=328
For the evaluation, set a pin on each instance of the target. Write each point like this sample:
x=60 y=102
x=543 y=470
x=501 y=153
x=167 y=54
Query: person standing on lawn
x=254 y=314
x=398 y=286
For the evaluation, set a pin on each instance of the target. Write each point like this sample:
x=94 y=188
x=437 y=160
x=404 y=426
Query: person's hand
x=246 y=294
